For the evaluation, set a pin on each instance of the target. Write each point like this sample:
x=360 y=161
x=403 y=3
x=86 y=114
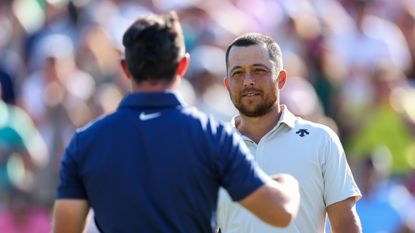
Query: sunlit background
x=350 y=64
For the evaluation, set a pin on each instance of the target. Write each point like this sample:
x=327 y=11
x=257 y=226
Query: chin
x=255 y=111
x=252 y=113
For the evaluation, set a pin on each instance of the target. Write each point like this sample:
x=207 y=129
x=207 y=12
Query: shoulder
x=97 y=123
x=298 y=124
x=98 y=133
x=207 y=121
x=104 y=125
x=209 y=129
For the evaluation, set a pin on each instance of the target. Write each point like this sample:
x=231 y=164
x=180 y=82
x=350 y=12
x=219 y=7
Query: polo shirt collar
x=287 y=118
x=152 y=100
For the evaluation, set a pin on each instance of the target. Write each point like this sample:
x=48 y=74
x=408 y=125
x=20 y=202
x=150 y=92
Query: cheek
x=232 y=88
x=272 y=85
x=233 y=92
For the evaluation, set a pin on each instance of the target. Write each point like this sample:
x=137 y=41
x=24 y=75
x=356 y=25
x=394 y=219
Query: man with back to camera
x=282 y=142
x=155 y=165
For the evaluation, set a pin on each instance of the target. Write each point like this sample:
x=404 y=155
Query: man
x=281 y=142
x=155 y=165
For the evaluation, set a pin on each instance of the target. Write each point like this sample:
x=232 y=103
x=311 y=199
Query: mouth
x=251 y=93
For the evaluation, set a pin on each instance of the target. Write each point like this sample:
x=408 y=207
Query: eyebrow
x=261 y=65
x=235 y=68
x=254 y=65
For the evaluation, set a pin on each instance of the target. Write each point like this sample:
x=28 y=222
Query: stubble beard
x=260 y=109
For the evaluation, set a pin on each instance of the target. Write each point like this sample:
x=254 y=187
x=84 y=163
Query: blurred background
x=351 y=66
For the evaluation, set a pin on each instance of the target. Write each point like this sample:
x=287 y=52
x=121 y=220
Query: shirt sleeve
x=339 y=183
x=239 y=173
x=71 y=185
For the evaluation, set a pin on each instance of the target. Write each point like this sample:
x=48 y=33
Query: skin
x=276 y=202
x=254 y=84
x=343 y=216
x=254 y=87
x=70 y=216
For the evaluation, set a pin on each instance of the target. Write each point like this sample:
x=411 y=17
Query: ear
x=226 y=82
x=183 y=65
x=282 y=78
x=125 y=69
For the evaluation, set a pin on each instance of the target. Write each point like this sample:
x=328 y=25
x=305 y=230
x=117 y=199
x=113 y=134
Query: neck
x=154 y=86
x=256 y=127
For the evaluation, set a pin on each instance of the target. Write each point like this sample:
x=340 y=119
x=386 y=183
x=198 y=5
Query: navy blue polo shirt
x=155 y=165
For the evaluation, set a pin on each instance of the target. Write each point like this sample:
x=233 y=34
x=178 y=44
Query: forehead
x=249 y=55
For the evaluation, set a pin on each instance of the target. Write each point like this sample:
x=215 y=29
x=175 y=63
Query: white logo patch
x=144 y=116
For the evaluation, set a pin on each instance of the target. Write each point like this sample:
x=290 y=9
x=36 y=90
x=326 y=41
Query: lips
x=250 y=93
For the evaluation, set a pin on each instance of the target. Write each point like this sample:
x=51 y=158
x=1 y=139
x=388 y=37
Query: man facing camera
x=156 y=164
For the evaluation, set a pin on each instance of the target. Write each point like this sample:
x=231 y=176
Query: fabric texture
x=155 y=165
x=313 y=154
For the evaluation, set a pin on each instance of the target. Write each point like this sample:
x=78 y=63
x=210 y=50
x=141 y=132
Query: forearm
x=276 y=202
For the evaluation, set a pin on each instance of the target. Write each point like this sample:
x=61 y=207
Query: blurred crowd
x=350 y=64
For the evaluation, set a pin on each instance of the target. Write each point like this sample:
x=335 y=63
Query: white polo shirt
x=310 y=152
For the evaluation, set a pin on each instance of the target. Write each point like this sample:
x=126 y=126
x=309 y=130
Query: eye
x=260 y=71
x=236 y=74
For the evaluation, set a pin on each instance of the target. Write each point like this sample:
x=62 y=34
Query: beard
x=255 y=109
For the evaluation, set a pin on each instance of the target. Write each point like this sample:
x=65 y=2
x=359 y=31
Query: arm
x=343 y=217
x=69 y=215
x=340 y=190
x=276 y=202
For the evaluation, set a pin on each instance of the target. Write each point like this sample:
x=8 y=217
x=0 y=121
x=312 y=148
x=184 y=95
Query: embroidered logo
x=302 y=132
x=148 y=116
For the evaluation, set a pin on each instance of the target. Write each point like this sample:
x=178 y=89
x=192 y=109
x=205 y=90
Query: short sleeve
x=71 y=185
x=239 y=173
x=339 y=183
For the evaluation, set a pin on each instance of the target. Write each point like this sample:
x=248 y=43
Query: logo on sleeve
x=302 y=132
x=148 y=116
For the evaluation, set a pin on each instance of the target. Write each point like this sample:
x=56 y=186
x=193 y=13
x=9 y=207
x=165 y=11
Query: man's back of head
x=154 y=46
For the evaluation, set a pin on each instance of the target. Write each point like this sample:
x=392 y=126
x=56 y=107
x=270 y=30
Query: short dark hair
x=249 y=39
x=154 y=45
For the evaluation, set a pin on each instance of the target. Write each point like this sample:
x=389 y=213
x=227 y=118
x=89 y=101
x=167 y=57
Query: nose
x=248 y=80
